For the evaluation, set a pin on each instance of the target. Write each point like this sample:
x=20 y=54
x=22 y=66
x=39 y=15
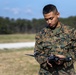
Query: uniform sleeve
x=74 y=41
x=40 y=55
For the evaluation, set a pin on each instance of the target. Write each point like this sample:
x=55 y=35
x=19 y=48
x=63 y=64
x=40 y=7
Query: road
x=16 y=45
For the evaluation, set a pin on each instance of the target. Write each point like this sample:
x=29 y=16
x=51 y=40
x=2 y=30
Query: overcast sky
x=29 y=9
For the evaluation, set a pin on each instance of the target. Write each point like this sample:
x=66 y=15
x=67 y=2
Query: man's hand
x=49 y=63
x=59 y=59
x=61 y=56
x=59 y=62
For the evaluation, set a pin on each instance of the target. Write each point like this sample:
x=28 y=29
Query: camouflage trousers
x=57 y=72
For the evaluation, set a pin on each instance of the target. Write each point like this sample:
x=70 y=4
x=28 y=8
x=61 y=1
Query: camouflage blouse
x=61 y=40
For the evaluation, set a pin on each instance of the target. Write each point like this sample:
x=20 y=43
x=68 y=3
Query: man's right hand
x=55 y=59
x=49 y=63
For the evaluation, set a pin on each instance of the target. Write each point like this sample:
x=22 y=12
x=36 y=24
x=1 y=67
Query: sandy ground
x=16 y=45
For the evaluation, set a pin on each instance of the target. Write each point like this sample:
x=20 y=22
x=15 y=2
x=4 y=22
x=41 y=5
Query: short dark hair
x=49 y=8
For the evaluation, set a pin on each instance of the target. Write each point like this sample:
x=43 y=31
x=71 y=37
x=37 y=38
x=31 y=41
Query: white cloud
x=13 y=10
x=28 y=11
x=18 y=11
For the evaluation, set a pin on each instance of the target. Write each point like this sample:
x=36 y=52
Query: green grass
x=15 y=62
x=17 y=38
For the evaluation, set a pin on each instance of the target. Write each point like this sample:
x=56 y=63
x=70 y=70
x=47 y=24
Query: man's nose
x=49 y=21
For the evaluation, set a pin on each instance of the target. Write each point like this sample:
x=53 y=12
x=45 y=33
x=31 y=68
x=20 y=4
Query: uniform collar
x=57 y=30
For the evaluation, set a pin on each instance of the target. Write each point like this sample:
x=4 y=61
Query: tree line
x=12 y=26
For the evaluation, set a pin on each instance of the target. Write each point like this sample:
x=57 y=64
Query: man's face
x=51 y=19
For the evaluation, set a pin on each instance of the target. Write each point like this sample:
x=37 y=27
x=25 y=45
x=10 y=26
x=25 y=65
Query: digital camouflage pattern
x=61 y=40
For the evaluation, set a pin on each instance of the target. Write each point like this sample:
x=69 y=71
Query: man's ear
x=58 y=14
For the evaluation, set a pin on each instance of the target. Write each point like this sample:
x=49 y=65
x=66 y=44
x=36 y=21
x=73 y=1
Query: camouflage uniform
x=62 y=41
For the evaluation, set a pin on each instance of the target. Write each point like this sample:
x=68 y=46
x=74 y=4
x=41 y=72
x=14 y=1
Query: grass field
x=15 y=62
x=17 y=38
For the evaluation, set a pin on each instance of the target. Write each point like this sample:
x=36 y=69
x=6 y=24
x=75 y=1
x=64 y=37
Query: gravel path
x=16 y=45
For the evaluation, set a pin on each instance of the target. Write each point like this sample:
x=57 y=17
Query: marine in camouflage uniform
x=60 y=40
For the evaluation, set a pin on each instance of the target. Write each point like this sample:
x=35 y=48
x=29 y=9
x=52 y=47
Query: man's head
x=51 y=15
